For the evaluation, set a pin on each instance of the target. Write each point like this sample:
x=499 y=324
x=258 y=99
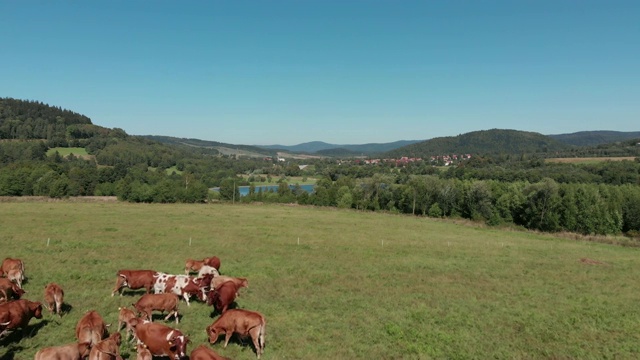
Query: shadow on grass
x=16 y=335
x=160 y=317
x=233 y=305
x=11 y=352
x=244 y=342
x=65 y=309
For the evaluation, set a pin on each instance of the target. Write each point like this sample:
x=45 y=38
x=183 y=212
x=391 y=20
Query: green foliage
x=435 y=211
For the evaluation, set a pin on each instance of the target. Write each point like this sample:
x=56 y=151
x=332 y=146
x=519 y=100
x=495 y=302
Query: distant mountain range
x=492 y=141
x=319 y=147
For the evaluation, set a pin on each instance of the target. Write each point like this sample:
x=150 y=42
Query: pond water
x=244 y=190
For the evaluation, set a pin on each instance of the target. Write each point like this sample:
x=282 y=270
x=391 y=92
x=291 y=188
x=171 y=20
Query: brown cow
x=239 y=281
x=161 y=340
x=74 y=351
x=134 y=279
x=54 y=298
x=192 y=266
x=160 y=302
x=223 y=296
x=195 y=265
x=10 y=263
x=16 y=276
x=16 y=314
x=10 y=290
x=107 y=349
x=242 y=322
x=212 y=261
x=91 y=328
x=125 y=315
x=203 y=352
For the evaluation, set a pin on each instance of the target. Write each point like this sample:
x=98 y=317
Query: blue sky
x=343 y=72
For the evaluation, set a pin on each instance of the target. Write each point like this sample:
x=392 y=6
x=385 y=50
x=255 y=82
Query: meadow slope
x=337 y=284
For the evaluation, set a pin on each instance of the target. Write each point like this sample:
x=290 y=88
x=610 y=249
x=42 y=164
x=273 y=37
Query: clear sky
x=344 y=72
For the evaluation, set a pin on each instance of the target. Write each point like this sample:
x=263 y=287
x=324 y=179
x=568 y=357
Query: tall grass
x=337 y=284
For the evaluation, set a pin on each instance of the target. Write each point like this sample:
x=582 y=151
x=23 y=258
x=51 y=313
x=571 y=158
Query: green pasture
x=65 y=151
x=337 y=284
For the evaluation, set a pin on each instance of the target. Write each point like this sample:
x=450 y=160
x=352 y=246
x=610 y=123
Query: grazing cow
x=195 y=265
x=10 y=290
x=16 y=276
x=213 y=261
x=73 y=351
x=203 y=352
x=54 y=298
x=223 y=296
x=107 y=349
x=206 y=269
x=125 y=316
x=167 y=302
x=91 y=328
x=134 y=279
x=181 y=285
x=161 y=340
x=16 y=314
x=242 y=322
x=143 y=353
x=192 y=266
x=10 y=263
x=239 y=281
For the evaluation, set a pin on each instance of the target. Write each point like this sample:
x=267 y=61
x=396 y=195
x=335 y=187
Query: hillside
x=494 y=141
x=218 y=147
x=595 y=138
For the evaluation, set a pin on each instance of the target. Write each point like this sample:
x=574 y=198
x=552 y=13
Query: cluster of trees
x=545 y=205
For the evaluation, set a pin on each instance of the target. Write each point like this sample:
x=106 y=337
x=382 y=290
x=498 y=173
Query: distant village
x=444 y=160
x=440 y=160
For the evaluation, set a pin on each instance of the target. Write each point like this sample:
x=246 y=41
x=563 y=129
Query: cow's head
x=178 y=345
x=36 y=308
x=17 y=292
x=212 y=333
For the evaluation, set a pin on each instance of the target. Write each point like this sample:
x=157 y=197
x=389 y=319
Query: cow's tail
x=263 y=329
x=58 y=300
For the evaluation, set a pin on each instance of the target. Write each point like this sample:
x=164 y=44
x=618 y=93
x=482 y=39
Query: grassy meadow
x=337 y=284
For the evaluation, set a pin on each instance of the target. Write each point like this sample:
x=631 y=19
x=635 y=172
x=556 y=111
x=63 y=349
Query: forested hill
x=24 y=119
x=247 y=150
x=594 y=138
x=494 y=141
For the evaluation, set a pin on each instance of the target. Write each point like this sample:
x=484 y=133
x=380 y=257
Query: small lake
x=244 y=190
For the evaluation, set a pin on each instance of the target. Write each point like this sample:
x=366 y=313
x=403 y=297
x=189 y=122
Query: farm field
x=580 y=160
x=336 y=284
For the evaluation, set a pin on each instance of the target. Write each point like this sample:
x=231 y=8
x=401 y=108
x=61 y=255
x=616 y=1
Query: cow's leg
x=186 y=298
x=227 y=337
x=119 y=285
x=255 y=336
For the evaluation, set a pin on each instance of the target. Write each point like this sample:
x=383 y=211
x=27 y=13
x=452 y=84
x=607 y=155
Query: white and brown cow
x=182 y=285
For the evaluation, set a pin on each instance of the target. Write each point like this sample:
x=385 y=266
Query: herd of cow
x=163 y=293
